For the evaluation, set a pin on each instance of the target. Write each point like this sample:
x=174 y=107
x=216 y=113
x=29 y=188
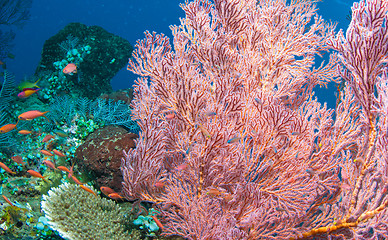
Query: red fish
x=47 y=138
x=159 y=184
x=3 y=166
x=47 y=153
x=181 y=167
x=58 y=153
x=36 y=174
x=49 y=164
x=70 y=69
x=8 y=127
x=32 y=115
x=170 y=116
x=18 y=159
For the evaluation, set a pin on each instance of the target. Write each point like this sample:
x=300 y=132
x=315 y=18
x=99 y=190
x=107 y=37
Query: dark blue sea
x=128 y=19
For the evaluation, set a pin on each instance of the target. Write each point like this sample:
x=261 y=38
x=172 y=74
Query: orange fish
x=47 y=153
x=181 y=167
x=106 y=190
x=8 y=127
x=3 y=166
x=213 y=192
x=18 y=159
x=7 y=200
x=159 y=184
x=157 y=222
x=24 y=132
x=49 y=164
x=32 y=115
x=36 y=174
x=76 y=180
x=70 y=69
x=170 y=116
x=204 y=131
x=64 y=169
x=88 y=190
x=115 y=196
x=47 y=138
x=58 y=153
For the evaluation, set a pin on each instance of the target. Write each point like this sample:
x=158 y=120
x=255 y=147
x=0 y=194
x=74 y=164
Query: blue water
x=128 y=19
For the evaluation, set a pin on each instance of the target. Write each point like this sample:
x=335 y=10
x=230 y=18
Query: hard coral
x=100 y=155
x=77 y=214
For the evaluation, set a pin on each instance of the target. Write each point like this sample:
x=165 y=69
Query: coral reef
x=77 y=214
x=100 y=155
x=99 y=54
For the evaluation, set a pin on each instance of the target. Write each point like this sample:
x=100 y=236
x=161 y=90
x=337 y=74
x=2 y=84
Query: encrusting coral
x=77 y=214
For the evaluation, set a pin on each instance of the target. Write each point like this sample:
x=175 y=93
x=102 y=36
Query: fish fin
x=47 y=118
x=37 y=82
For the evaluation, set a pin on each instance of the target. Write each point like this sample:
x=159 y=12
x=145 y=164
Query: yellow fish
x=27 y=84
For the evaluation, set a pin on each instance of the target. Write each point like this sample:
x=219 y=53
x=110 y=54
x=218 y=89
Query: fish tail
x=37 y=81
x=16 y=125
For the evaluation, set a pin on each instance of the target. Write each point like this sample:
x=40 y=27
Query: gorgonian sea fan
x=233 y=144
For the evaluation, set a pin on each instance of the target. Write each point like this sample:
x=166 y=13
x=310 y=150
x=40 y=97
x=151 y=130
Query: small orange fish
x=76 y=180
x=159 y=184
x=32 y=115
x=157 y=222
x=106 y=190
x=71 y=172
x=115 y=196
x=3 y=166
x=8 y=127
x=181 y=167
x=64 y=169
x=7 y=200
x=88 y=190
x=47 y=138
x=36 y=174
x=58 y=153
x=204 y=131
x=24 y=132
x=213 y=192
x=70 y=69
x=49 y=164
x=18 y=159
x=47 y=153
x=170 y=116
